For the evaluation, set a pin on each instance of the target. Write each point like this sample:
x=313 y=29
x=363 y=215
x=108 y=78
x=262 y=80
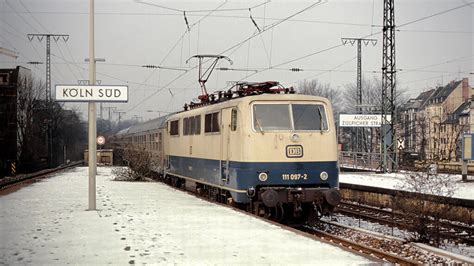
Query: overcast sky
x=434 y=43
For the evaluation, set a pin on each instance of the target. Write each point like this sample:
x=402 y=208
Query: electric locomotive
x=268 y=150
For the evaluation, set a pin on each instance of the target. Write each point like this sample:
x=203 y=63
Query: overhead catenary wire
x=236 y=45
x=275 y=68
x=189 y=29
x=369 y=35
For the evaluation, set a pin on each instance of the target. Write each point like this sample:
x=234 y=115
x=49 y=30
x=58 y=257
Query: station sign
x=87 y=93
x=361 y=120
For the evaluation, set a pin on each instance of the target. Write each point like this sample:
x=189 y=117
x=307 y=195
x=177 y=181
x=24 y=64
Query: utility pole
x=120 y=113
x=56 y=38
x=360 y=132
x=110 y=109
x=387 y=132
x=92 y=116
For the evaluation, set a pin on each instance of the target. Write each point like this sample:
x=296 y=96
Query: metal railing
x=360 y=160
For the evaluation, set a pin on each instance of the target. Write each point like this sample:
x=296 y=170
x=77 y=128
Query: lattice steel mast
x=387 y=132
x=56 y=38
x=48 y=102
x=360 y=136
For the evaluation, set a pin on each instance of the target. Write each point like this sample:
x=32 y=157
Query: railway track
x=448 y=230
x=9 y=183
x=358 y=247
x=383 y=250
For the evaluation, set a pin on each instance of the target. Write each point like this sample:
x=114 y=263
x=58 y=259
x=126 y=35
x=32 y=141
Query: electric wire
x=376 y=33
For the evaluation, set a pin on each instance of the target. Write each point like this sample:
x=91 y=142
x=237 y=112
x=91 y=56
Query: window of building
x=160 y=142
x=211 y=123
x=4 y=78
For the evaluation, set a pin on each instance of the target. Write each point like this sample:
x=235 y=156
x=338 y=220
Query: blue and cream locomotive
x=273 y=153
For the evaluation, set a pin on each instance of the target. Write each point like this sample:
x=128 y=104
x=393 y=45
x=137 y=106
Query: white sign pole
x=92 y=116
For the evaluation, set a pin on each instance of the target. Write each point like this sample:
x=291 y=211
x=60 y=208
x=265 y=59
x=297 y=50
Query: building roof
x=462 y=110
x=419 y=102
x=146 y=126
x=442 y=93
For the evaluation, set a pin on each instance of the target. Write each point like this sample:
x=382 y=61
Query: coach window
x=233 y=120
x=211 y=123
x=174 y=128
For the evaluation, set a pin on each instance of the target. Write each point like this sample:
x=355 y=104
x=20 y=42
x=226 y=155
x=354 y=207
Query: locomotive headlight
x=323 y=175
x=263 y=176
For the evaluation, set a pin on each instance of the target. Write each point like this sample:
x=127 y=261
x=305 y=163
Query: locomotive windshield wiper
x=320 y=119
x=259 y=126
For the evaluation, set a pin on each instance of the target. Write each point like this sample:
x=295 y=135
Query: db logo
x=294 y=151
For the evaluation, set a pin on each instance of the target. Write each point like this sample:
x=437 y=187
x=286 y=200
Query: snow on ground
x=395 y=180
x=47 y=223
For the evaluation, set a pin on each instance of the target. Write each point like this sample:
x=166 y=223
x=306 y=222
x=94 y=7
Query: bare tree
x=426 y=217
x=30 y=143
x=371 y=104
x=34 y=116
x=138 y=161
x=315 y=87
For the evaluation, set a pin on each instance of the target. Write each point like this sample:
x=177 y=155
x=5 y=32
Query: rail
x=12 y=180
x=449 y=230
x=376 y=253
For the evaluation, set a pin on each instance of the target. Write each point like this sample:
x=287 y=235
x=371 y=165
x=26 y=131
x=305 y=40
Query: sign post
x=92 y=94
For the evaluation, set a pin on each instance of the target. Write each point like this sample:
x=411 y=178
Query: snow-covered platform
x=462 y=190
x=47 y=223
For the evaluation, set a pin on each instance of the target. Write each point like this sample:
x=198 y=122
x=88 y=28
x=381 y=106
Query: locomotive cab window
x=271 y=117
x=286 y=117
x=174 y=128
x=233 y=120
x=211 y=122
x=309 y=117
x=196 y=126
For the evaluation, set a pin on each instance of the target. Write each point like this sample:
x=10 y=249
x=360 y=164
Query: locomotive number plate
x=294 y=177
x=294 y=151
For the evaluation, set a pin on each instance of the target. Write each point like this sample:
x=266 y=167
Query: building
x=9 y=84
x=433 y=123
x=411 y=115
